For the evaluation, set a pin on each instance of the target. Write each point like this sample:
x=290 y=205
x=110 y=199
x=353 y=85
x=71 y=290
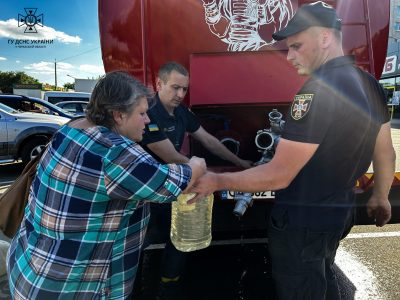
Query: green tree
x=69 y=86
x=8 y=79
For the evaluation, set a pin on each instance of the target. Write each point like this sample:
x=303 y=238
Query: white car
x=24 y=134
x=77 y=108
x=55 y=97
x=30 y=104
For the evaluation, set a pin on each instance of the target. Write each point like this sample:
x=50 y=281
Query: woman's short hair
x=115 y=91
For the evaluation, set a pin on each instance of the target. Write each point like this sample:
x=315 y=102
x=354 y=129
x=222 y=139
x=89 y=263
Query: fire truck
x=240 y=82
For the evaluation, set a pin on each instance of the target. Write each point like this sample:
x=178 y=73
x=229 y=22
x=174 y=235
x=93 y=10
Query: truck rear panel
x=235 y=82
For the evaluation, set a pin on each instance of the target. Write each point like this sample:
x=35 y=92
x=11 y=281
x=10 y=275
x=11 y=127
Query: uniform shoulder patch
x=153 y=127
x=301 y=105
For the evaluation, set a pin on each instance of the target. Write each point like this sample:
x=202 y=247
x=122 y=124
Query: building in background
x=29 y=90
x=390 y=78
x=85 y=85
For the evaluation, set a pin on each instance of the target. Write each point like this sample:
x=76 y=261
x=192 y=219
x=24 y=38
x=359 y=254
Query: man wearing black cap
x=338 y=122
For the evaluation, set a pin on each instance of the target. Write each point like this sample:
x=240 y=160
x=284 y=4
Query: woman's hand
x=198 y=164
x=199 y=167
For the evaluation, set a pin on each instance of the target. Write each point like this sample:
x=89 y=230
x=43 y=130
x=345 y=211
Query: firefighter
x=163 y=138
x=337 y=123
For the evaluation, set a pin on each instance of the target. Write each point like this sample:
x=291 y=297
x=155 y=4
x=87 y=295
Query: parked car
x=55 y=97
x=77 y=108
x=31 y=104
x=24 y=134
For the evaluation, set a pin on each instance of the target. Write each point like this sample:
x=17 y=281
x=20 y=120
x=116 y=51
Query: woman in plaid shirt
x=87 y=212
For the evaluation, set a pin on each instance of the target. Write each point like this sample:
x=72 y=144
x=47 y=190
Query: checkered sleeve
x=131 y=173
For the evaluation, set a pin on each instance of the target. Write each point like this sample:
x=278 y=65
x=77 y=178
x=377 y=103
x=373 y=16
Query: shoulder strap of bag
x=14 y=199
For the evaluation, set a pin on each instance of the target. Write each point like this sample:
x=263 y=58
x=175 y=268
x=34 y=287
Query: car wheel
x=33 y=148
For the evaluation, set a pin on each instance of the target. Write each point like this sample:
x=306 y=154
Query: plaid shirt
x=86 y=216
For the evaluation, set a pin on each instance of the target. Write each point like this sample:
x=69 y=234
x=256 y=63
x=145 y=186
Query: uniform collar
x=335 y=62
x=160 y=107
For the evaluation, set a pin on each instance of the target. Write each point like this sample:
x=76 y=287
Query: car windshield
x=7 y=109
x=51 y=106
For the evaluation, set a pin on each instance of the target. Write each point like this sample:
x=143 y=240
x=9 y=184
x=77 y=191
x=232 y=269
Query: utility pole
x=55 y=74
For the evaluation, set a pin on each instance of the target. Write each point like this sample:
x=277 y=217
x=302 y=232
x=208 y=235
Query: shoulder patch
x=301 y=105
x=153 y=127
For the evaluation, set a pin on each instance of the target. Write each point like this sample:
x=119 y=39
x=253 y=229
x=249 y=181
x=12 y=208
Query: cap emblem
x=322 y=3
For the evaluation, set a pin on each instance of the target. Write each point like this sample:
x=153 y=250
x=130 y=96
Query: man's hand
x=379 y=209
x=245 y=164
x=384 y=160
x=204 y=186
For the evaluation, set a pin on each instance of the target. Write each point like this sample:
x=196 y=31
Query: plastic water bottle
x=191 y=223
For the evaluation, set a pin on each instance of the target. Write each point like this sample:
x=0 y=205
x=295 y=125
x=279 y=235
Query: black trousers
x=302 y=260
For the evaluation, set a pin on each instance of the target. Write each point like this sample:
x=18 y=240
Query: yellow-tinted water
x=191 y=223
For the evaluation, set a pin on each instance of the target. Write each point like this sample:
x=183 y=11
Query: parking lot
x=367 y=262
x=367 y=265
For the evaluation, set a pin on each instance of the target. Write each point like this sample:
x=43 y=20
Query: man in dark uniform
x=169 y=123
x=337 y=123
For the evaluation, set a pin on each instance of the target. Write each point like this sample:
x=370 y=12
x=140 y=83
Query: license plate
x=260 y=195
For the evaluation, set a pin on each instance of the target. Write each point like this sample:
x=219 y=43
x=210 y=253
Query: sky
x=71 y=26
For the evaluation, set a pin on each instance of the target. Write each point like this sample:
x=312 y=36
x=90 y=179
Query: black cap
x=313 y=14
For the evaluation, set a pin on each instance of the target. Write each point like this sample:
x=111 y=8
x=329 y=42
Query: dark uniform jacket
x=162 y=125
x=341 y=108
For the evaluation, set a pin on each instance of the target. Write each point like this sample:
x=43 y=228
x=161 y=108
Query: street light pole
x=55 y=74
x=74 y=78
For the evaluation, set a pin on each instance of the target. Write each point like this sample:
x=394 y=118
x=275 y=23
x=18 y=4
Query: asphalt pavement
x=4 y=289
x=8 y=173
x=242 y=272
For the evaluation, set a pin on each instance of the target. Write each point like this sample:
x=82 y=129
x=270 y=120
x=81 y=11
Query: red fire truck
x=238 y=73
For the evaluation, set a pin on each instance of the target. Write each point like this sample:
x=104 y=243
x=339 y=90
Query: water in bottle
x=191 y=223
